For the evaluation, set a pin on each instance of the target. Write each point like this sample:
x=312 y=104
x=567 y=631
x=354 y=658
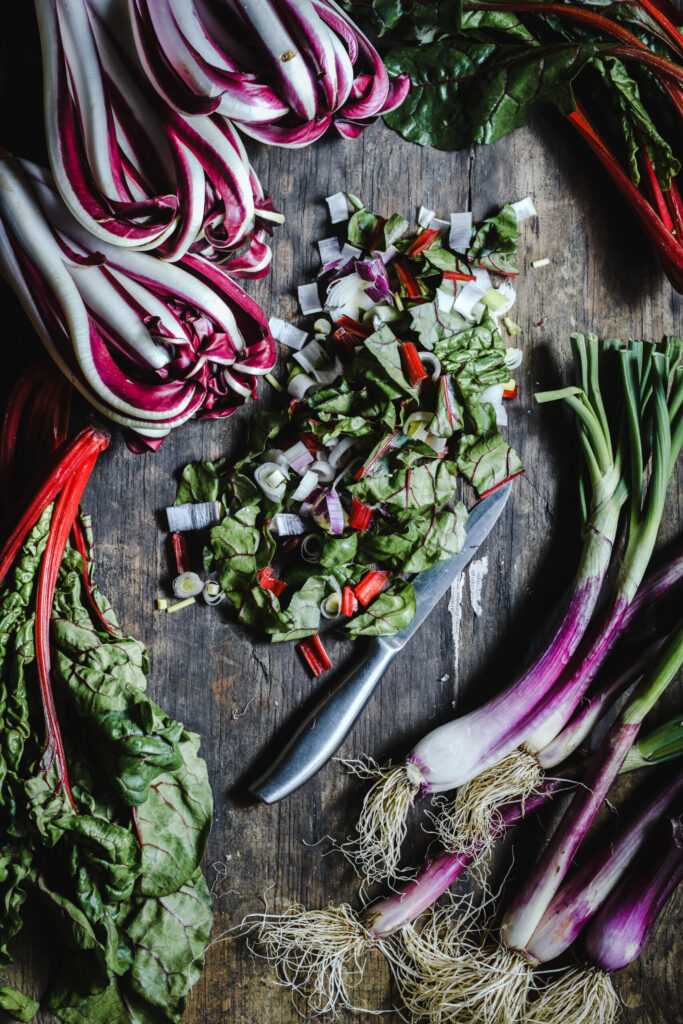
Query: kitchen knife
x=330 y=722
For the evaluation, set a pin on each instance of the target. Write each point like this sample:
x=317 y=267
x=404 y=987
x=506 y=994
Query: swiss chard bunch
x=481 y=68
x=399 y=393
x=105 y=805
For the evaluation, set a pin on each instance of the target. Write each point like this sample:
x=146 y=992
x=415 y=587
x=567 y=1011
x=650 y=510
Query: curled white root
x=581 y=995
x=446 y=977
x=472 y=821
x=319 y=954
x=381 y=828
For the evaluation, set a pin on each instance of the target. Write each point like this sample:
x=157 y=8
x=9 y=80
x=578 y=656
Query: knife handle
x=326 y=728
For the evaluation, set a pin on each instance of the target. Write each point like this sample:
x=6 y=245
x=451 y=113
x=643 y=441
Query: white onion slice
x=439 y=225
x=309 y=299
x=445 y=296
x=461 y=230
x=430 y=360
x=272 y=480
x=310 y=355
x=388 y=254
x=329 y=250
x=494 y=395
x=339 y=207
x=287 y=334
x=425 y=217
x=286 y=524
x=468 y=298
x=300 y=384
x=322 y=327
x=188 y=584
x=193 y=516
x=524 y=208
x=311 y=548
x=213 y=592
x=309 y=481
x=340 y=451
x=298 y=457
x=323 y=470
x=513 y=358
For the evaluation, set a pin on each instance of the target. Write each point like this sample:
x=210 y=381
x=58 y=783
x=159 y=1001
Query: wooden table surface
x=243 y=695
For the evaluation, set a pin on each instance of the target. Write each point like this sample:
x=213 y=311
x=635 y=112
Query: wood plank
x=242 y=694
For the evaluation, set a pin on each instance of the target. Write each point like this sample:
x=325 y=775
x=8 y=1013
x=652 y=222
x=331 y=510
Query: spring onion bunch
x=282 y=70
x=530 y=930
x=321 y=954
x=132 y=170
x=148 y=343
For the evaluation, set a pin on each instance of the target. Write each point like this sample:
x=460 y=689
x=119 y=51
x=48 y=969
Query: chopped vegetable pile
x=398 y=393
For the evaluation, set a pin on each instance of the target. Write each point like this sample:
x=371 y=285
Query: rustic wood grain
x=243 y=695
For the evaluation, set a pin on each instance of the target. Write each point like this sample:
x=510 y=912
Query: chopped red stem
x=510 y=392
x=314 y=654
x=310 y=440
x=456 y=275
x=408 y=282
x=21 y=403
x=360 y=515
x=412 y=363
x=381 y=221
x=423 y=240
x=370 y=586
x=180 y=553
x=267 y=580
x=354 y=326
x=349 y=602
x=66 y=461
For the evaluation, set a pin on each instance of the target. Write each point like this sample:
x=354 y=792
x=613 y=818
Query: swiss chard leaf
x=417 y=540
x=174 y=822
x=487 y=462
x=465 y=92
x=392 y=610
x=17 y=1005
x=412 y=487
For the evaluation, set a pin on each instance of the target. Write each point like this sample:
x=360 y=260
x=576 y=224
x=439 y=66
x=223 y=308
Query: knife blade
x=327 y=726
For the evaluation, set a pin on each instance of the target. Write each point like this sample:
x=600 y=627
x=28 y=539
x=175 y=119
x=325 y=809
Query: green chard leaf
x=384 y=346
x=17 y=1005
x=487 y=462
x=392 y=610
x=201 y=481
x=467 y=92
x=636 y=124
x=236 y=542
x=495 y=242
x=412 y=487
x=302 y=616
x=417 y=540
x=174 y=822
